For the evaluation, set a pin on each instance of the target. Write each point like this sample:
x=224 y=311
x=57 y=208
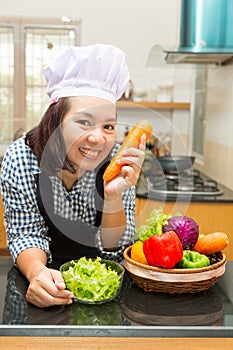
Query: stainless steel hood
x=209 y=56
x=206 y=33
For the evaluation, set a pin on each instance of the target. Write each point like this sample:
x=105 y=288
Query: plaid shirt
x=25 y=225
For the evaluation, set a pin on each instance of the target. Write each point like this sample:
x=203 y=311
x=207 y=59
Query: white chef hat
x=96 y=70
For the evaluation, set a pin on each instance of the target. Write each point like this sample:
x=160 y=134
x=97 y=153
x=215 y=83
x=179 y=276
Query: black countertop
x=134 y=313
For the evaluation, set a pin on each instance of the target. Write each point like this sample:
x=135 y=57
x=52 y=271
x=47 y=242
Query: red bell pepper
x=163 y=251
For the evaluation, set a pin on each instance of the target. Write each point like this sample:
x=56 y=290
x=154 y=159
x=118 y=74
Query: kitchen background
x=136 y=28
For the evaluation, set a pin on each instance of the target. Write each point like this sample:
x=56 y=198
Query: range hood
x=206 y=33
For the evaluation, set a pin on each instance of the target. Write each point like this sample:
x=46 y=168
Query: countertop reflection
x=133 y=312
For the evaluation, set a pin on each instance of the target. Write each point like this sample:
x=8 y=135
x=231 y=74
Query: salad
x=92 y=281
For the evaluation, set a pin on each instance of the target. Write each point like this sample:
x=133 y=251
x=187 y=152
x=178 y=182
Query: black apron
x=69 y=239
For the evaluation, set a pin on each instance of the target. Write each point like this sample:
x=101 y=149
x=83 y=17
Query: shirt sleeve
x=24 y=224
x=127 y=238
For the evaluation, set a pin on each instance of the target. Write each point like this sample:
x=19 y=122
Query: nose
x=96 y=135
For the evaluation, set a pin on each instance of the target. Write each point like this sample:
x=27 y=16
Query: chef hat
x=97 y=70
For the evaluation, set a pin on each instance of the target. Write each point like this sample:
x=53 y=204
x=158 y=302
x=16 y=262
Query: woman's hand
x=131 y=160
x=47 y=288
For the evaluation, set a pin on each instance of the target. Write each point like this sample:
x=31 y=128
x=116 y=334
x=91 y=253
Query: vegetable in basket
x=154 y=225
x=211 y=243
x=163 y=251
x=186 y=229
x=192 y=260
x=137 y=253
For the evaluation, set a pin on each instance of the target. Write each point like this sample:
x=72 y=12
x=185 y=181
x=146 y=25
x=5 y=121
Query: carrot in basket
x=211 y=243
x=131 y=140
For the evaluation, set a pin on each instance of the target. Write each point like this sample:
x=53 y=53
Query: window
x=6 y=82
x=26 y=46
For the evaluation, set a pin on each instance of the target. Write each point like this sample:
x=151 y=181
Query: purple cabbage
x=186 y=229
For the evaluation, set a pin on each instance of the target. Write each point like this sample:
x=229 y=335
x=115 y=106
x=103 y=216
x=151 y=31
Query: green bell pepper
x=192 y=260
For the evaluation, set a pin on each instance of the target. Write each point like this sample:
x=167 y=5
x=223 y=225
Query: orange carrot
x=131 y=140
x=211 y=243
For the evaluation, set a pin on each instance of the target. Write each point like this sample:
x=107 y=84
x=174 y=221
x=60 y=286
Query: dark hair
x=46 y=139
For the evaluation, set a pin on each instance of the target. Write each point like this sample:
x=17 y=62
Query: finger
x=46 y=302
x=58 y=279
x=41 y=298
x=132 y=161
x=131 y=153
x=55 y=292
x=49 y=287
x=142 y=143
x=129 y=175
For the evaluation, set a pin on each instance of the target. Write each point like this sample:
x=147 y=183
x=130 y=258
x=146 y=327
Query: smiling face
x=89 y=131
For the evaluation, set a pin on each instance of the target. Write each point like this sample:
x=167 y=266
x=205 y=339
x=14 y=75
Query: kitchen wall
x=218 y=158
x=136 y=27
x=133 y=27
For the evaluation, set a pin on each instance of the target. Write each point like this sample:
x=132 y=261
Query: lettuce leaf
x=91 y=280
x=154 y=225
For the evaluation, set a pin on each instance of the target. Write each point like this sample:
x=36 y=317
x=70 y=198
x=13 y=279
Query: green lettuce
x=91 y=280
x=154 y=225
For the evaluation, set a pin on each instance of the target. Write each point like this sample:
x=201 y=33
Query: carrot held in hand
x=131 y=140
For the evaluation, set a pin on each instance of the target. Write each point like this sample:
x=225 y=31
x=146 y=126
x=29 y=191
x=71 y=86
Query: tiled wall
x=218 y=145
x=218 y=153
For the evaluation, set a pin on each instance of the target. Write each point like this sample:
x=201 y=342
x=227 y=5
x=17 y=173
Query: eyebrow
x=84 y=113
x=91 y=116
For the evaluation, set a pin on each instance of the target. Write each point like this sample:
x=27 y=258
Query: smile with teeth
x=89 y=152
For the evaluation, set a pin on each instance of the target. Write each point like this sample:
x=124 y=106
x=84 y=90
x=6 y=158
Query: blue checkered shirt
x=25 y=225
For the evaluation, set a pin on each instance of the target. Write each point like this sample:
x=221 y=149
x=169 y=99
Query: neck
x=68 y=179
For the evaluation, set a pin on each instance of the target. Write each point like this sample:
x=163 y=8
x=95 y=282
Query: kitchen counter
x=134 y=313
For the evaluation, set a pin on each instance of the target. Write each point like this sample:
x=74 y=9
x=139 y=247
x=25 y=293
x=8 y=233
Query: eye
x=110 y=127
x=84 y=122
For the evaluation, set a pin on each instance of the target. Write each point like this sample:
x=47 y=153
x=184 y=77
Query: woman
x=57 y=206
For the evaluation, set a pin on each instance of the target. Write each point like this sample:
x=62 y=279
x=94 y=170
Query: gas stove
x=183 y=184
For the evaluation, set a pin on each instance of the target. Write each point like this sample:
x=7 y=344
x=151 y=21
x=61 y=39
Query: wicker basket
x=175 y=281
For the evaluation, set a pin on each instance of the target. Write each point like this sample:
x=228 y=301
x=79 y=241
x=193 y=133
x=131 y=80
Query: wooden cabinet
x=3 y=250
x=114 y=343
x=210 y=217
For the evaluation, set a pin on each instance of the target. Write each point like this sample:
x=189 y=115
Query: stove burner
x=191 y=173
x=184 y=183
x=185 y=187
x=172 y=177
